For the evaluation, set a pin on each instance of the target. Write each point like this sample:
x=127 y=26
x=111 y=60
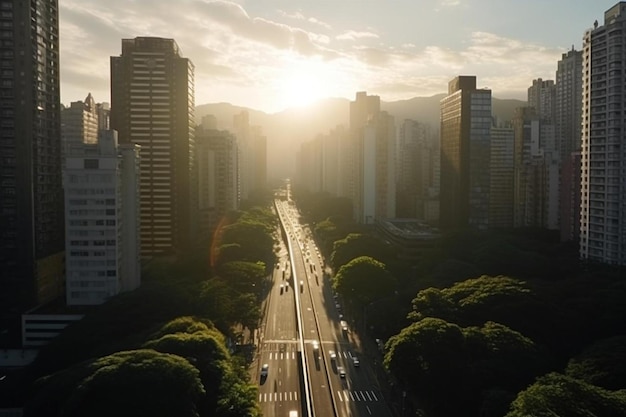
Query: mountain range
x=288 y=129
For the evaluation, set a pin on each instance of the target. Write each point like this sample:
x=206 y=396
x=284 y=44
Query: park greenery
x=500 y=323
x=170 y=347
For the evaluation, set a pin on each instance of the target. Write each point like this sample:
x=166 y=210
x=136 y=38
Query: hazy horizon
x=273 y=55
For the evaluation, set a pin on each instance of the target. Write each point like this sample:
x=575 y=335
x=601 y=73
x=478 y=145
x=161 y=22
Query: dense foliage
x=363 y=280
x=167 y=338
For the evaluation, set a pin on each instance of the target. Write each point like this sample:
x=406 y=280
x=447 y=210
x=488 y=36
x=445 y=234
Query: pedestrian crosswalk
x=281 y=355
x=345 y=396
x=266 y=397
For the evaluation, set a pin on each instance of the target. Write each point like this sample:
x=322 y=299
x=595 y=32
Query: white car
x=332 y=355
x=355 y=361
x=341 y=371
x=265 y=370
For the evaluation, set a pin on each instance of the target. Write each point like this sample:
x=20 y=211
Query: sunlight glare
x=300 y=89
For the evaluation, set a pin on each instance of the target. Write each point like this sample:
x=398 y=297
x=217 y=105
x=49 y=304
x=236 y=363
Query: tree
x=243 y=276
x=602 y=364
x=559 y=395
x=254 y=237
x=364 y=280
x=129 y=383
x=427 y=357
x=205 y=348
x=358 y=244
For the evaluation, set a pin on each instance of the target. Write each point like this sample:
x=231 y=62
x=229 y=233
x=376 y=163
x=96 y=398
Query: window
x=91 y=163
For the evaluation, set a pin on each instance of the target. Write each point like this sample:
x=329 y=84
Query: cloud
x=234 y=50
x=354 y=35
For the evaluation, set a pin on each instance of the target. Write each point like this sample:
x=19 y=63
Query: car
x=355 y=361
x=344 y=325
x=282 y=288
x=338 y=306
x=332 y=355
x=316 y=345
x=341 y=371
x=265 y=370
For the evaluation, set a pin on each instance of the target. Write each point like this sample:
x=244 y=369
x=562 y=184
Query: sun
x=299 y=89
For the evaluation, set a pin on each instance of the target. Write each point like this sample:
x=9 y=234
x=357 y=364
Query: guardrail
x=303 y=358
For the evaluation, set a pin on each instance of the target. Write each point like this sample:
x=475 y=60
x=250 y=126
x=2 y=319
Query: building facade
x=603 y=154
x=218 y=190
x=502 y=174
x=152 y=105
x=417 y=162
x=252 y=147
x=373 y=137
x=31 y=194
x=102 y=220
x=568 y=129
x=465 y=155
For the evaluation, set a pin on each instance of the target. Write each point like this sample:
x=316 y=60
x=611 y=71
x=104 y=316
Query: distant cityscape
x=90 y=191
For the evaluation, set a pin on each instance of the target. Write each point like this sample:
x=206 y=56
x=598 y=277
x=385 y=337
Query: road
x=301 y=273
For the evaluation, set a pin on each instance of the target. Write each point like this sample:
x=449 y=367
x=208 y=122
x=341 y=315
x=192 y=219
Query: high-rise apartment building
x=502 y=175
x=568 y=128
x=152 y=105
x=569 y=102
x=373 y=163
x=102 y=219
x=603 y=154
x=465 y=155
x=418 y=153
x=218 y=188
x=79 y=122
x=252 y=146
x=542 y=96
x=31 y=194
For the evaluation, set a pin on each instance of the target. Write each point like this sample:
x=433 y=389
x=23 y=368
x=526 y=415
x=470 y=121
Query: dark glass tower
x=31 y=196
x=465 y=155
x=152 y=105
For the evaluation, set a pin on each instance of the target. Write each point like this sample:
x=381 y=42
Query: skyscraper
x=152 y=105
x=218 y=188
x=465 y=155
x=568 y=123
x=31 y=195
x=603 y=153
x=373 y=162
x=252 y=147
x=502 y=174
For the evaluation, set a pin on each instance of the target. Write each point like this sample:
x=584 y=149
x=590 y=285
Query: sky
x=270 y=55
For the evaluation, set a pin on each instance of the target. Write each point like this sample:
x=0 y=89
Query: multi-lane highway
x=315 y=366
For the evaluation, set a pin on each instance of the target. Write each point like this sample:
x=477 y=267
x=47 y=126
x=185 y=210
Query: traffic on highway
x=309 y=360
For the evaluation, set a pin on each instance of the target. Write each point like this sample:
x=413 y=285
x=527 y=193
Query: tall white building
x=102 y=245
x=373 y=168
x=603 y=153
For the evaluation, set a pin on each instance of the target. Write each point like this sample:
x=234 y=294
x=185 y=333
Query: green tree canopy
x=364 y=280
x=358 y=244
x=254 y=237
x=243 y=276
x=439 y=361
x=205 y=348
x=474 y=301
x=560 y=395
x=602 y=364
x=128 y=383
